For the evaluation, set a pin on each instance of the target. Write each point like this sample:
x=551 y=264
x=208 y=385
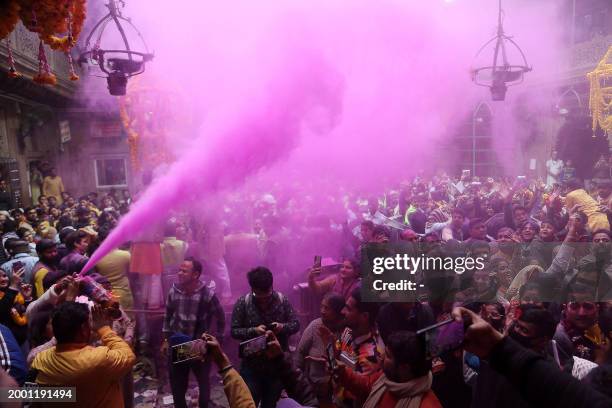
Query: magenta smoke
x=304 y=94
x=267 y=78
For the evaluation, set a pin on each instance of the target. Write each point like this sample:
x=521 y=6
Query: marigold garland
x=74 y=24
x=45 y=76
x=150 y=116
x=51 y=18
x=132 y=135
x=58 y=24
x=600 y=99
x=9 y=17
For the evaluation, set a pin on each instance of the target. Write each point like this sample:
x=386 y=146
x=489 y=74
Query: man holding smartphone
x=190 y=308
x=21 y=258
x=254 y=313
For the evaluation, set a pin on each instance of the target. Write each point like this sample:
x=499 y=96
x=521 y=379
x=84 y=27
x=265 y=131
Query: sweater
x=96 y=372
x=236 y=390
x=539 y=382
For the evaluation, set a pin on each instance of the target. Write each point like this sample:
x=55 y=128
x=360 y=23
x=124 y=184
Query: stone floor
x=148 y=393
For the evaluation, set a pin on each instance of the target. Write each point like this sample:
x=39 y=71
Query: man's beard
x=53 y=261
x=602 y=251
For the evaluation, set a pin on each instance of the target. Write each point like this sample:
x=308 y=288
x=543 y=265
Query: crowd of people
x=537 y=319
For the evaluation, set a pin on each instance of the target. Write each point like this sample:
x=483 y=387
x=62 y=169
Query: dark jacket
x=539 y=382
x=246 y=316
x=6 y=304
x=294 y=381
x=492 y=389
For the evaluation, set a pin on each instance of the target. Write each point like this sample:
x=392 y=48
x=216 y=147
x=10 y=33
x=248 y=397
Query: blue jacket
x=11 y=356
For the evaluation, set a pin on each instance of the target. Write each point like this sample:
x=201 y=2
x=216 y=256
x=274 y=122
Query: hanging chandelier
x=501 y=73
x=118 y=65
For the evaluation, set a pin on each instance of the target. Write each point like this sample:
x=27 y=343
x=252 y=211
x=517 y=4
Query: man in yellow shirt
x=115 y=267
x=53 y=186
x=47 y=262
x=96 y=372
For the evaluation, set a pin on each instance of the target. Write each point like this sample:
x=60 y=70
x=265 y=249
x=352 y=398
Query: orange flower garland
x=49 y=18
x=132 y=135
x=76 y=12
x=45 y=76
x=151 y=116
x=9 y=17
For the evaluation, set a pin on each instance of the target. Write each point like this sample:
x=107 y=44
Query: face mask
x=602 y=250
x=498 y=324
x=522 y=340
x=54 y=260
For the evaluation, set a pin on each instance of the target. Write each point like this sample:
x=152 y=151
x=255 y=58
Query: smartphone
x=252 y=346
x=188 y=351
x=556 y=353
x=17 y=266
x=442 y=337
x=317 y=261
x=331 y=357
x=348 y=360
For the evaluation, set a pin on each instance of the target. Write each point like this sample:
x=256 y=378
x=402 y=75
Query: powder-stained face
x=457 y=219
x=4 y=279
x=479 y=231
x=347 y=270
x=353 y=318
x=547 y=231
x=528 y=232
x=580 y=311
x=186 y=274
